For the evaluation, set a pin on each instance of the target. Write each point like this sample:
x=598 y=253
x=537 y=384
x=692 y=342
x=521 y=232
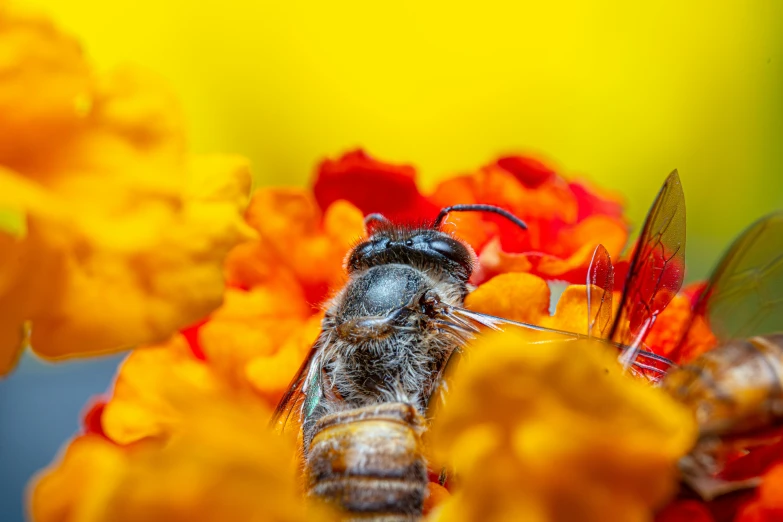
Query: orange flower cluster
x=182 y=401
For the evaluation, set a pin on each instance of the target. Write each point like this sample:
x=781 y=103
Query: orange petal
x=569 y=260
x=293 y=235
x=571 y=314
x=82 y=480
x=515 y=296
x=148 y=386
x=436 y=495
x=271 y=375
x=250 y=324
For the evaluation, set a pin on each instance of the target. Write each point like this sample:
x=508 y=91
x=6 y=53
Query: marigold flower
x=111 y=234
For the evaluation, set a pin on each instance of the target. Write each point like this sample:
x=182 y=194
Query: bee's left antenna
x=477 y=208
x=375 y=219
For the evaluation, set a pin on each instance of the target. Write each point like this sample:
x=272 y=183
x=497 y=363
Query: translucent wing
x=304 y=391
x=645 y=364
x=744 y=296
x=600 y=284
x=657 y=266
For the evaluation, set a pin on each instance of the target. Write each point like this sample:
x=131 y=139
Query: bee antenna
x=478 y=208
x=375 y=219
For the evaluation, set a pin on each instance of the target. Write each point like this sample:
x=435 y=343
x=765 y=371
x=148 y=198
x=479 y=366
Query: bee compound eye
x=443 y=248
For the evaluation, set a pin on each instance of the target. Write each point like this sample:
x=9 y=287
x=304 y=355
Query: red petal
x=528 y=171
x=373 y=186
x=590 y=203
x=190 y=333
x=684 y=511
x=92 y=419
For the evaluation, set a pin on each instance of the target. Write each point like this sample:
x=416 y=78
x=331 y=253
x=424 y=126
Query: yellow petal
x=517 y=296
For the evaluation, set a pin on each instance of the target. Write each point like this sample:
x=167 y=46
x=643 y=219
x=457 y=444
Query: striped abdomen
x=370 y=462
x=734 y=388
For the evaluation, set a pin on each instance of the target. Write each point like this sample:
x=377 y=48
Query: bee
x=363 y=389
x=362 y=392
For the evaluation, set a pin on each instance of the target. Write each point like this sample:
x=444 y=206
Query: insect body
x=371 y=461
x=367 y=381
x=735 y=390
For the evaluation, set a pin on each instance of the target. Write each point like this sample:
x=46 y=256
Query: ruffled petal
x=516 y=296
x=124 y=234
x=78 y=487
x=145 y=402
x=372 y=186
x=298 y=244
x=528 y=425
x=565 y=220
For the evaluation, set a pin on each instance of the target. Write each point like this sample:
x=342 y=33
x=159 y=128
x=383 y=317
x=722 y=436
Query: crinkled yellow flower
x=555 y=432
x=111 y=234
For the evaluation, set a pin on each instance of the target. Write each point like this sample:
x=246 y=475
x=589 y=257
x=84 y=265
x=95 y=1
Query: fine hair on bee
x=362 y=392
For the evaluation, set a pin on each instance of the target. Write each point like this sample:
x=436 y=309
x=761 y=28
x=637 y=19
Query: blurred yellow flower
x=222 y=464
x=555 y=432
x=112 y=235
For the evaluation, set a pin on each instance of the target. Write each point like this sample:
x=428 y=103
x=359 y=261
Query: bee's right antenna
x=478 y=208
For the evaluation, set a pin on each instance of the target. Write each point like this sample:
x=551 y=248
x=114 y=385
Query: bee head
x=426 y=246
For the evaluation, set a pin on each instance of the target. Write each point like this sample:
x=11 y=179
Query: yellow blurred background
x=620 y=94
